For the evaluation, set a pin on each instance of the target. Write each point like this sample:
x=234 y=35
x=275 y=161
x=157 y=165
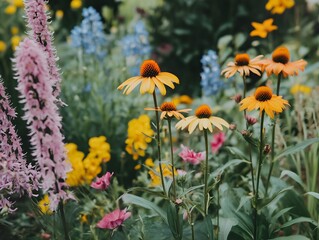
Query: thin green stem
x=206 y=200
x=218 y=206
x=273 y=139
x=245 y=86
x=65 y=228
x=172 y=157
x=260 y=160
x=159 y=143
x=252 y=171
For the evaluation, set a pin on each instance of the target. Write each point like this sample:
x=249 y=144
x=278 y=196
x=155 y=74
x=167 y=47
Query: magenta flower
x=39 y=32
x=16 y=176
x=103 y=182
x=114 y=219
x=190 y=156
x=43 y=119
x=218 y=141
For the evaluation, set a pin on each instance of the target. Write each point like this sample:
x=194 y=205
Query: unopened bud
x=267 y=149
x=251 y=120
x=236 y=98
x=232 y=126
x=246 y=133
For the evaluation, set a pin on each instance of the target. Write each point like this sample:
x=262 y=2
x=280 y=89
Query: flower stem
x=159 y=143
x=172 y=157
x=206 y=200
x=258 y=173
x=66 y=233
x=273 y=139
x=245 y=86
x=218 y=206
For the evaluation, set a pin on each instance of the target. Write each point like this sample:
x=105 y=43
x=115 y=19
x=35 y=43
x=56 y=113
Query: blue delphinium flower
x=89 y=36
x=136 y=47
x=210 y=77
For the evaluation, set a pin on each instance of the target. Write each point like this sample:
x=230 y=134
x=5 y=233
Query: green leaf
x=299 y=220
x=237 y=152
x=293 y=237
x=175 y=221
x=296 y=148
x=192 y=189
x=209 y=227
x=132 y=199
x=292 y=175
x=239 y=40
x=274 y=197
x=225 y=225
x=314 y=194
x=220 y=170
x=224 y=41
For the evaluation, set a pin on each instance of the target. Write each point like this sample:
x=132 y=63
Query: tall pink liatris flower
x=38 y=23
x=218 y=141
x=42 y=118
x=190 y=156
x=15 y=175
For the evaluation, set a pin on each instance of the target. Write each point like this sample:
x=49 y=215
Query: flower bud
x=267 y=149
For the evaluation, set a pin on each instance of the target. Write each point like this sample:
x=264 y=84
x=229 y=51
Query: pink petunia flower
x=103 y=182
x=114 y=219
x=190 y=156
x=218 y=141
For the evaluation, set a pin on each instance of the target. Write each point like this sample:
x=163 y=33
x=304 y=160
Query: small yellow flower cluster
x=139 y=134
x=3 y=46
x=155 y=174
x=59 y=14
x=76 y=4
x=84 y=171
x=279 y=6
x=148 y=162
x=44 y=205
x=182 y=99
x=13 y=5
x=298 y=88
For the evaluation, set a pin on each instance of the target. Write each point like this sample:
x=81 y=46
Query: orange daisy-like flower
x=280 y=63
x=203 y=119
x=264 y=100
x=150 y=76
x=244 y=65
x=169 y=110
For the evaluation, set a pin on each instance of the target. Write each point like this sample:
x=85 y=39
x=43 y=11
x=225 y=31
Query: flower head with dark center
x=169 y=110
x=203 y=119
x=244 y=65
x=150 y=77
x=281 y=64
x=264 y=100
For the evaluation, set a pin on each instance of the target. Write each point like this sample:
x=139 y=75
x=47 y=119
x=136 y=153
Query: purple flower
x=103 y=182
x=114 y=219
x=43 y=119
x=39 y=32
x=190 y=156
x=15 y=175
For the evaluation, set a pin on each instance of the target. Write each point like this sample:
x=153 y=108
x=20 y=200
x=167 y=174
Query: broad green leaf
x=274 y=197
x=239 y=40
x=220 y=170
x=299 y=220
x=188 y=190
x=296 y=148
x=293 y=237
x=225 y=225
x=314 y=194
x=224 y=41
x=175 y=222
x=292 y=175
x=132 y=199
x=237 y=152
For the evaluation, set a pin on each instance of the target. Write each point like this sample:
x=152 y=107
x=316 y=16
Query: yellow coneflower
x=244 y=65
x=264 y=100
x=169 y=110
x=262 y=29
x=203 y=119
x=150 y=76
x=280 y=63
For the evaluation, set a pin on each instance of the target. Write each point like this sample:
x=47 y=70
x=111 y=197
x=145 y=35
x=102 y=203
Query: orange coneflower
x=243 y=65
x=169 y=110
x=264 y=100
x=280 y=63
x=203 y=119
x=150 y=76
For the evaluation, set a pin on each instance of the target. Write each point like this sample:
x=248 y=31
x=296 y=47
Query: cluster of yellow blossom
x=13 y=5
x=298 y=88
x=84 y=171
x=148 y=162
x=155 y=174
x=139 y=134
x=182 y=99
x=76 y=4
x=279 y=6
x=44 y=205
